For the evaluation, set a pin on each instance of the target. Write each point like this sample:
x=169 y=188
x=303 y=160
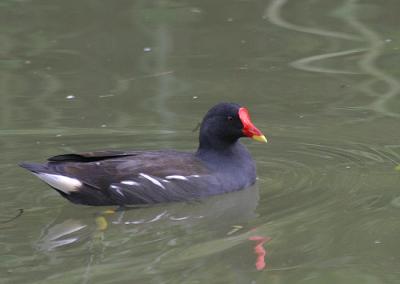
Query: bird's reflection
x=81 y=226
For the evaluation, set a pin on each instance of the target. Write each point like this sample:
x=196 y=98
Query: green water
x=321 y=79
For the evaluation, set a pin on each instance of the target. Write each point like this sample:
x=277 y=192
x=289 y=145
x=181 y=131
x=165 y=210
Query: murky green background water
x=321 y=79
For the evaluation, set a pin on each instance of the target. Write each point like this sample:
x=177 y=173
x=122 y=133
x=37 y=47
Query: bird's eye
x=230 y=118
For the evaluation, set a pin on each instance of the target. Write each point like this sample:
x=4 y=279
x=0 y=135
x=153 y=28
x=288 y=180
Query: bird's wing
x=134 y=177
x=92 y=156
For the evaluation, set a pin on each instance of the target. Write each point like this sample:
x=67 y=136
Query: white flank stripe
x=153 y=180
x=176 y=177
x=62 y=183
x=120 y=192
x=195 y=176
x=129 y=182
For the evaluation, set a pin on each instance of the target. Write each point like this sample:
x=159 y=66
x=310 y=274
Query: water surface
x=320 y=78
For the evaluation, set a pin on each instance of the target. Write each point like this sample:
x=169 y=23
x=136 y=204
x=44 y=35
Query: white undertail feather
x=62 y=183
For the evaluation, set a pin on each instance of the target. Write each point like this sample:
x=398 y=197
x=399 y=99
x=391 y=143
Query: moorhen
x=221 y=164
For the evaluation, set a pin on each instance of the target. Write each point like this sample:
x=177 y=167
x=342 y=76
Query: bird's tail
x=34 y=167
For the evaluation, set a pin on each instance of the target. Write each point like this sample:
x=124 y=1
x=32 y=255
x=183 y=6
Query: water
x=321 y=80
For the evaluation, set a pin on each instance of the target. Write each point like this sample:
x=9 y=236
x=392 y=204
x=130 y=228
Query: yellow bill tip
x=260 y=138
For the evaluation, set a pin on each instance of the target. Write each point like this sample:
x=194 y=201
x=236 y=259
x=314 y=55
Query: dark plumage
x=221 y=164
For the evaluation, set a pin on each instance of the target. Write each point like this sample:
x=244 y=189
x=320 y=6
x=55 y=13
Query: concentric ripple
x=309 y=175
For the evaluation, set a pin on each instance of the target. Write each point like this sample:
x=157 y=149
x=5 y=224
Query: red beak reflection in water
x=260 y=251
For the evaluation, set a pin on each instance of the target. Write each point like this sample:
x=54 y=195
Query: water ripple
x=273 y=14
x=309 y=175
x=369 y=55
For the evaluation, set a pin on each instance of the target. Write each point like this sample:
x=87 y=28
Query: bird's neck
x=213 y=143
x=222 y=152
